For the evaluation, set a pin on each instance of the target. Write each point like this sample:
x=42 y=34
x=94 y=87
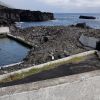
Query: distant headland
x=10 y=15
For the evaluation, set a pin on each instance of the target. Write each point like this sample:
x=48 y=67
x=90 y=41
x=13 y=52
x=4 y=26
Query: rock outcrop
x=8 y=16
x=87 y=17
x=81 y=25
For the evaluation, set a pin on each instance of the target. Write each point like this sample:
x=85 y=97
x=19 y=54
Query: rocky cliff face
x=26 y=16
x=8 y=16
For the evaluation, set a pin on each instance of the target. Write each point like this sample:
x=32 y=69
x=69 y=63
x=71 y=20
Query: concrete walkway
x=4 y=30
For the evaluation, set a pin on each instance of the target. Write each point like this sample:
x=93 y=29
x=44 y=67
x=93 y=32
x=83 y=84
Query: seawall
x=51 y=63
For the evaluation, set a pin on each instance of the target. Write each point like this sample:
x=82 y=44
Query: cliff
x=8 y=16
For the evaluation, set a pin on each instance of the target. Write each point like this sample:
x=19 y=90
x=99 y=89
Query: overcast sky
x=68 y=6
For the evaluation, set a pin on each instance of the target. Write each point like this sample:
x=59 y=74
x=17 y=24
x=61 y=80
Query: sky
x=57 y=6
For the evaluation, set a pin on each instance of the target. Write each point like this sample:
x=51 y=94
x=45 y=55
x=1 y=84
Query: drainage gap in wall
x=11 y=51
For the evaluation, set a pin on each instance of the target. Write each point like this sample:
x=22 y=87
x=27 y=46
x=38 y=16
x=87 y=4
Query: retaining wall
x=84 y=86
x=21 y=40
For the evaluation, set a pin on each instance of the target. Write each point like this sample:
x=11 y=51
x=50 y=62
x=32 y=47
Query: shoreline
x=50 y=43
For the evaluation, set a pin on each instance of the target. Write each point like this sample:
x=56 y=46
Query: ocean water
x=11 y=51
x=65 y=19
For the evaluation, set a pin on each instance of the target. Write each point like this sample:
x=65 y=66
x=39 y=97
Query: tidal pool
x=11 y=51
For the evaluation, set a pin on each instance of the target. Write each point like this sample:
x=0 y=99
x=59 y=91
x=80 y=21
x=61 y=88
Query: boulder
x=45 y=39
x=82 y=25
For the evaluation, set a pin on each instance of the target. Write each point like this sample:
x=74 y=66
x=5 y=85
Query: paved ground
x=88 y=89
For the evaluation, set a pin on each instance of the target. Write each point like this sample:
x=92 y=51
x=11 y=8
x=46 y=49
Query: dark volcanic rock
x=98 y=46
x=8 y=16
x=82 y=25
x=87 y=17
x=45 y=39
x=3 y=22
x=26 y=16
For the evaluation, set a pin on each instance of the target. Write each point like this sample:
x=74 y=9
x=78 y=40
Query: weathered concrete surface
x=4 y=30
x=21 y=40
x=84 y=86
x=88 y=41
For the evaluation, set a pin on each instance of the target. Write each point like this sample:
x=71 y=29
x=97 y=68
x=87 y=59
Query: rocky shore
x=51 y=43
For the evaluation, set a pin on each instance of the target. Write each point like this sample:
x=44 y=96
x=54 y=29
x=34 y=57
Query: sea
x=65 y=19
